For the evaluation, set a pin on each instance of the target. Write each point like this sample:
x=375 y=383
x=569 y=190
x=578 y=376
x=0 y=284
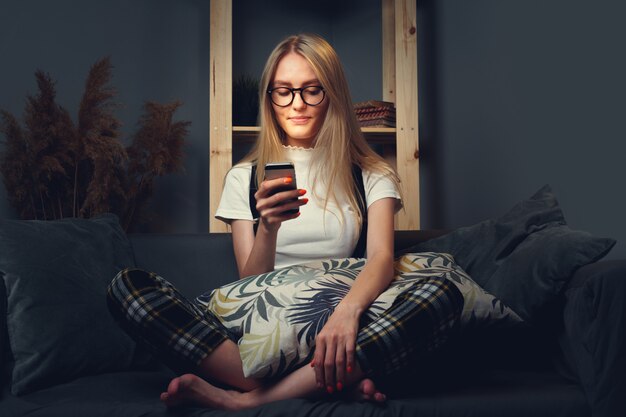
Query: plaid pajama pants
x=182 y=333
x=178 y=331
x=420 y=320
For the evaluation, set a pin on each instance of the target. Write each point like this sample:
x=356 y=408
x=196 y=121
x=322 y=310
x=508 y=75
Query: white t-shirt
x=316 y=234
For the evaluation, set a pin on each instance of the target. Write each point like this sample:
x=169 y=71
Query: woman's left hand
x=334 y=348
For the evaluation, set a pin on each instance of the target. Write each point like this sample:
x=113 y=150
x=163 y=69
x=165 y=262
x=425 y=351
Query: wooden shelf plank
x=247 y=129
x=366 y=130
x=386 y=135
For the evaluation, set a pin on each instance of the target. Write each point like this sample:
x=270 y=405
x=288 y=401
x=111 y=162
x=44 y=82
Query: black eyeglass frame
x=293 y=95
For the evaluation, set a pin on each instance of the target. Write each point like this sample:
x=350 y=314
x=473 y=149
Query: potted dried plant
x=245 y=101
x=54 y=168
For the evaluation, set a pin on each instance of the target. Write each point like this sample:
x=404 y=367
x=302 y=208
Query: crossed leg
x=429 y=308
x=151 y=310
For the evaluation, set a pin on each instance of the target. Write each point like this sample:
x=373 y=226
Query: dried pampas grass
x=53 y=168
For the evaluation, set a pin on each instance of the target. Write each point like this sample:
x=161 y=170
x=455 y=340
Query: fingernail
x=329 y=389
x=339 y=386
x=288 y=180
x=349 y=369
x=306 y=200
x=312 y=364
x=301 y=192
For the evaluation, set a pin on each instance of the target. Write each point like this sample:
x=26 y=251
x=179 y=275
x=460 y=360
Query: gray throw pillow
x=524 y=257
x=479 y=248
x=534 y=274
x=56 y=275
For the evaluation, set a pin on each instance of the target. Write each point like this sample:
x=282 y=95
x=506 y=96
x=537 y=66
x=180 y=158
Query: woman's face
x=300 y=121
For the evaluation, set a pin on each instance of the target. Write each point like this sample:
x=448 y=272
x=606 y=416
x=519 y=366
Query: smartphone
x=275 y=170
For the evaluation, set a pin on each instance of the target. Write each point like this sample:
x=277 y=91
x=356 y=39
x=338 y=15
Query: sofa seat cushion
x=593 y=340
x=134 y=394
x=494 y=393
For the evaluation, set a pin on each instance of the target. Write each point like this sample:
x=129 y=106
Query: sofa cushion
x=56 y=274
x=479 y=248
x=277 y=315
x=523 y=257
x=493 y=394
x=5 y=356
x=533 y=275
x=593 y=340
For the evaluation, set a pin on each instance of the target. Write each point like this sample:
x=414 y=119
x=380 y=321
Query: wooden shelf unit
x=378 y=135
x=399 y=46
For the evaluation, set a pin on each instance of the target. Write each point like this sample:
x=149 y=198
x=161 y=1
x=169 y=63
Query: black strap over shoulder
x=357 y=175
x=252 y=200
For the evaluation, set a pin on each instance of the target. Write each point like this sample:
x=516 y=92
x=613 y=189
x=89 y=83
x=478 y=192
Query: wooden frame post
x=407 y=125
x=389 y=68
x=220 y=102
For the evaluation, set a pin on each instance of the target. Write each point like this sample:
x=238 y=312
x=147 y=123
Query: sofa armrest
x=594 y=338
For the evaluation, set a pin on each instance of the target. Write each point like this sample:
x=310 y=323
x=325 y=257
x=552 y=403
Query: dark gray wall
x=513 y=95
x=522 y=94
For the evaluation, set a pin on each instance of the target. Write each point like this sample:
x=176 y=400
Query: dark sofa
x=548 y=370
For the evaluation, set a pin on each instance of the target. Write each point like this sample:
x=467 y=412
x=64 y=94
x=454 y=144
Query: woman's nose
x=297 y=102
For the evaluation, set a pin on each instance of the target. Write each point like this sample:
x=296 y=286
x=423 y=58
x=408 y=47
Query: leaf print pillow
x=277 y=315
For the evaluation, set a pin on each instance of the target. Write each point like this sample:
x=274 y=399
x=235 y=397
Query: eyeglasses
x=283 y=96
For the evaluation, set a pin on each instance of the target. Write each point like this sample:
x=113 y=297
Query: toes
x=175 y=394
x=380 y=397
x=174 y=386
x=368 y=388
x=366 y=391
x=168 y=400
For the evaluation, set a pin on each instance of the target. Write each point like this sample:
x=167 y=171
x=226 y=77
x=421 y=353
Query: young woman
x=306 y=118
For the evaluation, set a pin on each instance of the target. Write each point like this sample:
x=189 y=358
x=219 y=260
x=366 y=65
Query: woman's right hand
x=273 y=204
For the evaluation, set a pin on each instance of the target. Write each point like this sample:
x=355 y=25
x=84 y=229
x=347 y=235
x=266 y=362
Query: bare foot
x=366 y=391
x=190 y=389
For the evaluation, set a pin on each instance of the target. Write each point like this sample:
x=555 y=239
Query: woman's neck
x=300 y=143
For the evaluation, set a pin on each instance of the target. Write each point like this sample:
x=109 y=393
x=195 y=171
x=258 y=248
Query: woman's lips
x=299 y=120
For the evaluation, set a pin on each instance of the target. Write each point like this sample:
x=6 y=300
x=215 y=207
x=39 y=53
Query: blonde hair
x=339 y=143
